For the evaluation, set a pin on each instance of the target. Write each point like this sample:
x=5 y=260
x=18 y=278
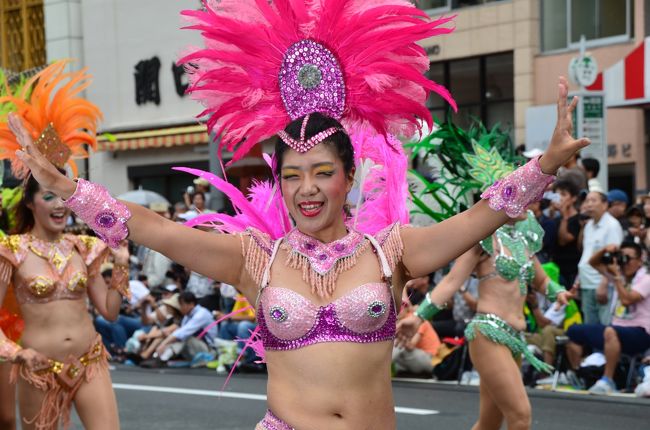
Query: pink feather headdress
x=266 y=63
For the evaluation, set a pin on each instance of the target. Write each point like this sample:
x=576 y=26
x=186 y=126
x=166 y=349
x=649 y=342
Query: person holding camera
x=629 y=332
x=600 y=231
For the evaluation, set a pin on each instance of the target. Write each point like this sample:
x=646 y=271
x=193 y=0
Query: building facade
x=528 y=44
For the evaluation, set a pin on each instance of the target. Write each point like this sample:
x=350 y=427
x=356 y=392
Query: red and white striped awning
x=158 y=138
x=627 y=82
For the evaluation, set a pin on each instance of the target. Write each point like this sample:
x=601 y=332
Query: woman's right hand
x=45 y=173
x=32 y=359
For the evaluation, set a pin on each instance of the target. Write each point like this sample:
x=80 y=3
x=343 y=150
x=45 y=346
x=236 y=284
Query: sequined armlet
x=256 y=249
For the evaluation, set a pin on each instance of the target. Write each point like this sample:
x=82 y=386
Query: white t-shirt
x=596 y=236
x=138 y=291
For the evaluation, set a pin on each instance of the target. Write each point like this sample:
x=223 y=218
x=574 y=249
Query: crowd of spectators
x=596 y=245
x=177 y=317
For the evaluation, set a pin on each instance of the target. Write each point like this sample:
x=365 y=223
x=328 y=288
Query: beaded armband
x=427 y=309
x=120 y=281
x=104 y=214
x=553 y=289
x=519 y=189
x=8 y=350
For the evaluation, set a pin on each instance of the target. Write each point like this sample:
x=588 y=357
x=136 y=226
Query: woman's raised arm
x=429 y=248
x=217 y=256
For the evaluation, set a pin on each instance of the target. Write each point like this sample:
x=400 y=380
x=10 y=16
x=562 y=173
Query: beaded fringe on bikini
x=499 y=331
x=58 y=399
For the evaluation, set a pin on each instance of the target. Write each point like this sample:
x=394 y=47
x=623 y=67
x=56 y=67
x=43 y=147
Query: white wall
x=117 y=34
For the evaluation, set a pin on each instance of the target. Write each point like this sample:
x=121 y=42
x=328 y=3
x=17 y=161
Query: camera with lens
x=615 y=257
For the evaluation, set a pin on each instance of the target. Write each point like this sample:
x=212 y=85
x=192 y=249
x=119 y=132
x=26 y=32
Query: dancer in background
x=61 y=359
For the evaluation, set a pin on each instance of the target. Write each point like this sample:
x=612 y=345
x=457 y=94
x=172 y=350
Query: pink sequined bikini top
x=60 y=275
x=287 y=320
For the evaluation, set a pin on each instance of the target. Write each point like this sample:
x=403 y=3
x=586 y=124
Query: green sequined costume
x=523 y=240
x=499 y=331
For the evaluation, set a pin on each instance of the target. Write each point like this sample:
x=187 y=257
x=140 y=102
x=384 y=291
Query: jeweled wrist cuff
x=120 y=281
x=553 y=289
x=427 y=309
x=519 y=189
x=8 y=350
x=105 y=215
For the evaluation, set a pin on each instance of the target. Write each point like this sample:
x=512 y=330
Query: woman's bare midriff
x=334 y=386
x=58 y=329
x=500 y=297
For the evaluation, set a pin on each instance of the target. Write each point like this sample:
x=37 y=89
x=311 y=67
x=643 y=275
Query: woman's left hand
x=563 y=145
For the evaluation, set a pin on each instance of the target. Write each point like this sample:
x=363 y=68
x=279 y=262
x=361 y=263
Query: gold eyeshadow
x=324 y=169
x=290 y=172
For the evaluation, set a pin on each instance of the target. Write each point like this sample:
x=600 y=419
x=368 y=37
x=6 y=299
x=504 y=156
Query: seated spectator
x=184 y=340
x=239 y=327
x=115 y=333
x=549 y=319
x=163 y=318
x=179 y=209
x=629 y=332
x=417 y=355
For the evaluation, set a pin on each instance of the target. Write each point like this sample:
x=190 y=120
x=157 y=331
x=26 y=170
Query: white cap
x=532 y=153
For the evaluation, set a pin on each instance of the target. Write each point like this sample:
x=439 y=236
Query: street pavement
x=192 y=399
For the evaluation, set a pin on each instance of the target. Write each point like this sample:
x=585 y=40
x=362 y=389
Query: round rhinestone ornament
x=278 y=313
x=309 y=76
x=376 y=309
x=311 y=80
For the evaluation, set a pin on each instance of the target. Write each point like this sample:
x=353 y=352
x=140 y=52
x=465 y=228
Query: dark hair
x=187 y=297
x=603 y=196
x=318 y=122
x=107 y=273
x=568 y=186
x=591 y=165
x=24 y=216
x=638 y=250
x=201 y=193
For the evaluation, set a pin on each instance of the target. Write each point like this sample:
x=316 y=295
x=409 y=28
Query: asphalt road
x=192 y=399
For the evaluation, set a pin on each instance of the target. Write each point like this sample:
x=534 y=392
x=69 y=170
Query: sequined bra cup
x=59 y=279
x=287 y=320
x=523 y=240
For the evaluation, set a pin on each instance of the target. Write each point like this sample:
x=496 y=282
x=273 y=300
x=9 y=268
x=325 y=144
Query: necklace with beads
x=322 y=263
x=58 y=253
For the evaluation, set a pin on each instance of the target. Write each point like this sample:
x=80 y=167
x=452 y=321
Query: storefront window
x=482 y=87
x=600 y=21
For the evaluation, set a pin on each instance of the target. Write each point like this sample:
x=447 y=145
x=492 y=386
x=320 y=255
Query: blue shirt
x=194 y=323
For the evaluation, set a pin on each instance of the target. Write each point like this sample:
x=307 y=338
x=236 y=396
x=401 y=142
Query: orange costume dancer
x=62 y=359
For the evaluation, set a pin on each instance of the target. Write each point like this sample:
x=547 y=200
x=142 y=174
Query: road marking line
x=235 y=395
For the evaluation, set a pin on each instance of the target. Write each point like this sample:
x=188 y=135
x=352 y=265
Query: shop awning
x=627 y=83
x=157 y=138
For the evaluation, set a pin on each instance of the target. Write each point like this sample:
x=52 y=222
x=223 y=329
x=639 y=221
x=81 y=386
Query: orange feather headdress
x=60 y=122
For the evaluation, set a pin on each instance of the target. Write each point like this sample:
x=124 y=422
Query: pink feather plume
x=384 y=189
x=235 y=75
x=264 y=208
